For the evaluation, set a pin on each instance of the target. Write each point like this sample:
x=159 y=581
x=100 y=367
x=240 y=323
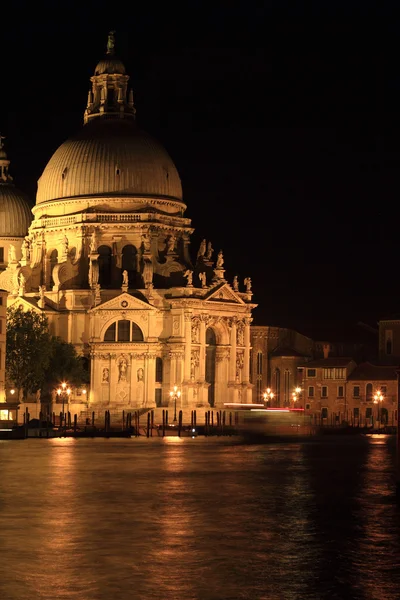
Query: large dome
x=109 y=157
x=15 y=213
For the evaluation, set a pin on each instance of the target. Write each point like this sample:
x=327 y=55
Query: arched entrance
x=211 y=350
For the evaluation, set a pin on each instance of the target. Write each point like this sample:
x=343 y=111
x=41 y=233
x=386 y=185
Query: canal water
x=204 y=519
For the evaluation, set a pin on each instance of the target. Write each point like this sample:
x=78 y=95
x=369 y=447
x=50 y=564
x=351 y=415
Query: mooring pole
x=398 y=438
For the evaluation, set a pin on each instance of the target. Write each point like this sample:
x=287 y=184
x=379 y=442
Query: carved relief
x=106 y=375
x=194 y=362
x=240 y=333
x=239 y=365
x=195 y=330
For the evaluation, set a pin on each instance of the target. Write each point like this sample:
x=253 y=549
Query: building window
x=159 y=370
x=259 y=363
x=340 y=391
x=311 y=391
x=1 y=254
x=356 y=413
x=368 y=413
x=329 y=373
x=324 y=413
x=368 y=392
x=308 y=406
x=356 y=391
x=324 y=391
x=1 y=325
x=340 y=373
x=158 y=397
x=383 y=389
x=124 y=332
x=388 y=341
x=311 y=372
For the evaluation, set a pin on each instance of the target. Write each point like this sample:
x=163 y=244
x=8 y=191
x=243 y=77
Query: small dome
x=15 y=212
x=109 y=157
x=110 y=65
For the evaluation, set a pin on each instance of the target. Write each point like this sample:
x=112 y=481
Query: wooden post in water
x=148 y=425
x=123 y=420
x=212 y=418
x=166 y=417
x=93 y=416
x=163 y=423
x=194 y=418
x=151 y=423
x=75 y=422
x=180 y=423
x=191 y=419
x=398 y=439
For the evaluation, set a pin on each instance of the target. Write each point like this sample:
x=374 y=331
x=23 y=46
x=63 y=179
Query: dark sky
x=283 y=124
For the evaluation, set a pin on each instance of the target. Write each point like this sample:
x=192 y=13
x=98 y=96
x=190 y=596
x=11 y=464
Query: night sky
x=284 y=127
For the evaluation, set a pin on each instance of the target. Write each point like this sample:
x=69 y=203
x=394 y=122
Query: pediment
x=26 y=304
x=124 y=302
x=224 y=293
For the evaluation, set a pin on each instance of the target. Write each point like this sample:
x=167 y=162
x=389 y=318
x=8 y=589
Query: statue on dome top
x=236 y=283
x=2 y=137
x=111 y=42
x=202 y=249
x=209 y=252
x=247 y=283
x=220 y=260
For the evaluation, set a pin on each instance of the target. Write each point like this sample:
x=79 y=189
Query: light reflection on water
x=202 y=519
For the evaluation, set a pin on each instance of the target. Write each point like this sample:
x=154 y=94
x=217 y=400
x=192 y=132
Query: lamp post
x=63 y=392
x=378 y=398
x=296 y=395
x=174 y=395
x=268 y=396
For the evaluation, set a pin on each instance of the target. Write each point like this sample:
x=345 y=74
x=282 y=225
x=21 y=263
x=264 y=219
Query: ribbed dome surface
x=109 y=157
x=15 y=213
x=110 y=65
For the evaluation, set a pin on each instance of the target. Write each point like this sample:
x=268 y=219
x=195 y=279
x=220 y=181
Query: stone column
x=232 y=361
x=202 y=363
x=132 y=386
x=246 y=363
x=188 y=346
x=150 y=378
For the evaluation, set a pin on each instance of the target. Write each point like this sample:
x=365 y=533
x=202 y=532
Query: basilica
x=107 y=258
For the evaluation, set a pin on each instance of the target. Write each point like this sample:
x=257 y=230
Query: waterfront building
x=108 y=261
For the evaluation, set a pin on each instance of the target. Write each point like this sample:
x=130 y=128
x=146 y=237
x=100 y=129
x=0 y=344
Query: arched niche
x=129 y=263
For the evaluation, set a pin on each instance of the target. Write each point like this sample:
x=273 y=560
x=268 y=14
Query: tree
x=64 y=365
x=36 y=360
x=28 y=349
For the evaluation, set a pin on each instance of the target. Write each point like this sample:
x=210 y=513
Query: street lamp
x=174 y=394
x=378 y=398
x=63 y=392
x=268 y=396
x=296 y=395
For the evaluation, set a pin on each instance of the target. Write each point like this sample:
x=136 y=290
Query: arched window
x=104 y=265
x=123 y=331
x=159 y=370
x=53 y=262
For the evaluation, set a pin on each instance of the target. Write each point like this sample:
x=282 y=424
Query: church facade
x=107 y=260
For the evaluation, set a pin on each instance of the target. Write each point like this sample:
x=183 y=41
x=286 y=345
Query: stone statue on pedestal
x=189 y=276
x=236 y=283
x=247 y=283
x=203 y=279
x=202 y=249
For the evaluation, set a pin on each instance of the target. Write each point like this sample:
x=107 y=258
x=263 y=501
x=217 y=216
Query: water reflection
x=197 y=519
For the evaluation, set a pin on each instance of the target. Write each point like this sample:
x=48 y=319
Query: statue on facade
x=12 y=253
x=247 y=283
x=64 y=244
x=146 y=242
x=236 y=283
x=202 y=249
x=93 y=243
x=106 y=376
x=220 y=260
x=21 y=280
x=26 y=249
x=111 y=42
x=188 y=274
x=122 y=369
x=210 y=251
x=125 y=278
x=195 y=331
x=240 y=333
x=140 y=374
x=203 y=279
x=171 y=244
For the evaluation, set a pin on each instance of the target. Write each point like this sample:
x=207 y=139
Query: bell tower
x=109 y=96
